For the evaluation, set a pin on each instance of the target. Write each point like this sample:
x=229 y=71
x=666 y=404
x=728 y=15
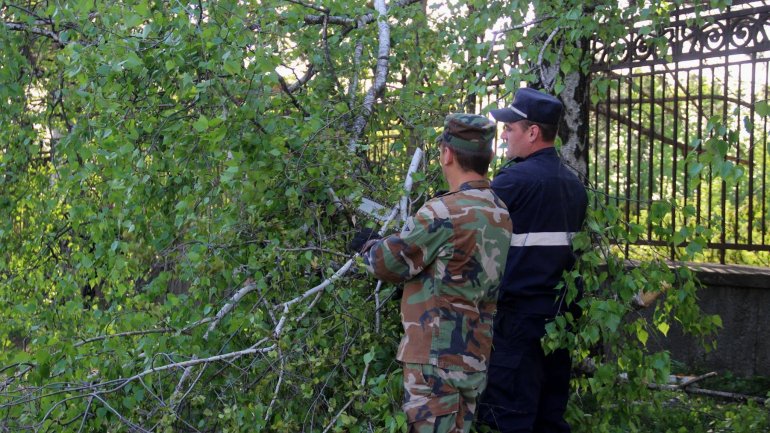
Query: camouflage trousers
x=440 y=401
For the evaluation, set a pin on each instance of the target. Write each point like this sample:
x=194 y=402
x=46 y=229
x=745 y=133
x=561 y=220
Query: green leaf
x=132 y=61
x=694 y=169
x=717 y=320
x=201 y=124
x=663 y=327
x=232 y=67
x=132 y=20
x=642 y=335
x=762 y=108
x=368 y=357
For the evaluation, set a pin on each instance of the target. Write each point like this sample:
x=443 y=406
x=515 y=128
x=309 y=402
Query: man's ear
x=536 y=133
x=447 y=156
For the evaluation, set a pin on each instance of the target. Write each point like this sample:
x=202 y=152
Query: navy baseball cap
x=531 y=105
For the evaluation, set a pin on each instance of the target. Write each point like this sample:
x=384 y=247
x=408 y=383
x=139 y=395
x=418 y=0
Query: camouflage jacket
x=451 y=255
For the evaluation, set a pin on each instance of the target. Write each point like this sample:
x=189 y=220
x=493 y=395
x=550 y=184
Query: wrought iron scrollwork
x=735 y=32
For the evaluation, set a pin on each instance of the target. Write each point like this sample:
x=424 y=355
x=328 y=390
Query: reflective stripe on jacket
x=547 y=203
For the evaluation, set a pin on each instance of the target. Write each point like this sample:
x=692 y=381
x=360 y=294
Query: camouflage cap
x=468 y=132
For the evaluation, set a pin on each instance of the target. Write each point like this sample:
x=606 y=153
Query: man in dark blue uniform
x=527 y=391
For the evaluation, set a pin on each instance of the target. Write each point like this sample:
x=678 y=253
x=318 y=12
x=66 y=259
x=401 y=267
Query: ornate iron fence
x=649 y=135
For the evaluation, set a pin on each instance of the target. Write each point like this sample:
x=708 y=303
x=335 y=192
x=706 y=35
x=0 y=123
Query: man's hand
x=360 y=238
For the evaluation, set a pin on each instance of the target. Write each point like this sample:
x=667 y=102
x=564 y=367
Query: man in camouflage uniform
x=451 y=256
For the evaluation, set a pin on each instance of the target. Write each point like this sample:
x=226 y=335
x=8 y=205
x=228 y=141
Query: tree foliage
x=166 y=170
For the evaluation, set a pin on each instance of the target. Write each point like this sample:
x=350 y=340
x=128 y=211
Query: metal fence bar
x=629 y=150
x=639 y=153
x=764 y=215
x=711 y=165
x=752 y=113
x=650 y=176
x=618 y=154
x=675 y=151
x=737 y=196
x=699 y=192
x=607 y=154
x=723 y=207
x=686 y=152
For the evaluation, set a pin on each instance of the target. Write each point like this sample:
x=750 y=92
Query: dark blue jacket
x=547 y=203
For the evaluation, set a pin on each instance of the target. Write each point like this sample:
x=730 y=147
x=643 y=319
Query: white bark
x=573 y=120
x=356 y=65
x=548 y=73
x=229 y=305
x=416 y=159
x=380 y=75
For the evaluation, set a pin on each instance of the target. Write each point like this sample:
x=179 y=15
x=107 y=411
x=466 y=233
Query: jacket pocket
x=426 y=395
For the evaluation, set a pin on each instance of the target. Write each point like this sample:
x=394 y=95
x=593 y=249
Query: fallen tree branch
x=97 y=390
x=686 y=384
x=225 y=356
x=143 y=332
x=230 y=304
x=319 y=249
x=85 y=414
x=122 y=419
x=277 y=385
x=377 y=306
x=723 y=394
x=340 y=272
x=691 y=380
x=338 y=20
x=408 y=182
x=363 y=381
x=309 y=307
x=16 y=375
x=416 y=158
x=282 y=322
x=178 y=396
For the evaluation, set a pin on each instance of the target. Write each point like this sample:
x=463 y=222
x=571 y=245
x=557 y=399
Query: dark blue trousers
x=526 y=391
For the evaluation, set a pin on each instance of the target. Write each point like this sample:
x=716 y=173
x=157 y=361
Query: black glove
x=360 y=238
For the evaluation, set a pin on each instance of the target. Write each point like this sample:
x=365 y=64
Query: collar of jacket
x=547 y=151
x=474 y=184
x=544 y=152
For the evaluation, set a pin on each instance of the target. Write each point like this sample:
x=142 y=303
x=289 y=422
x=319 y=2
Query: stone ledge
x=737 y=276
x=713 y=274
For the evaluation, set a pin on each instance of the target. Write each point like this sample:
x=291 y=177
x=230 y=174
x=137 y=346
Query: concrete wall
x=740 y=295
